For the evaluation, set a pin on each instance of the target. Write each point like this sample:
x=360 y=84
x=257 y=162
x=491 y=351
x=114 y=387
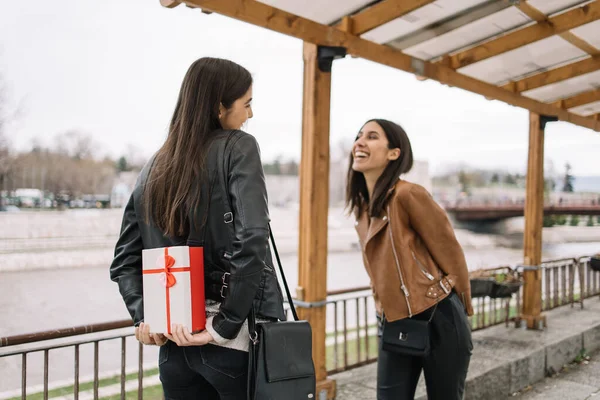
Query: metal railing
x=351 y=338
x=48 y=340
x=564 y=281
x=351 y=327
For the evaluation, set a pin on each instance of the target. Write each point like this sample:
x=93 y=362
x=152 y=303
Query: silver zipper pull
x=405 y=290
x=427 y=274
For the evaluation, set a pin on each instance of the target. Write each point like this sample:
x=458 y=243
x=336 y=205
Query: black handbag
x=408 y=336
x=280 y=364
x=595 y=263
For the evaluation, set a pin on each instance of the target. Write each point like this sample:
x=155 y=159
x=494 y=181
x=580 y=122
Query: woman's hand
x=143 y=335
x=182 y=336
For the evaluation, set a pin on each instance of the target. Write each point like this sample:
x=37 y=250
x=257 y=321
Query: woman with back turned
x=205 y=159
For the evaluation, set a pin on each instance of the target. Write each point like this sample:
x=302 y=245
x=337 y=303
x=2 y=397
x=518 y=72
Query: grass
x=150 y=393
x=581 y=357
x=352 y=351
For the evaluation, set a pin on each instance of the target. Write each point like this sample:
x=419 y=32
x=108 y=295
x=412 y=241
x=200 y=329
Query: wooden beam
x=260 y=14
x=532 y=236
x=541 y=30
x=580 y=43
x=314 y=207
x=347 y=25
x=448 y=25
x=531 y=11
x=555 y=75
x=580 y=99
x=570 y=37
x=383 y=12
x=170 y=3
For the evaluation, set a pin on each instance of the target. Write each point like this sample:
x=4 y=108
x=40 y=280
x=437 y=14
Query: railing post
x=314 y=201
x=534 y=213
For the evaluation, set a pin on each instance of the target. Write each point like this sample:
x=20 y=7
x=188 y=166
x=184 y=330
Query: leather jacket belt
x=441 y=288
x=217 y=285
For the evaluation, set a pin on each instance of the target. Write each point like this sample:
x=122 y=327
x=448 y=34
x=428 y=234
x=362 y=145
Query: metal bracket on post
x=326 y=55
x=418 y=66
x=309 y=304
x=544 y=119
x=528 y=267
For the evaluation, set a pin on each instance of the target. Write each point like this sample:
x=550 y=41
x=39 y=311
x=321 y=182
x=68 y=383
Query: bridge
x=496 y=211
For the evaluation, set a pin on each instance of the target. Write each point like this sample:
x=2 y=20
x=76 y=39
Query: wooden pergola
x=541 y=55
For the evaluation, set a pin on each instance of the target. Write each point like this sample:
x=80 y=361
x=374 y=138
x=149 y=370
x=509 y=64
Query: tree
x=277 y=166
x=122 y=164
x=293 y=168
x=510 y=180
x=135 y=157
x=289 y=168
x=574 y=220
x=5 y=156
x=464 y=180
x=568 y=179
x=75 y=144
x=495 y=178
x=548 y=221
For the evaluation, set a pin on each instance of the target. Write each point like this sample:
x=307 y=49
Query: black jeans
x=445 y=367
x=203 y=372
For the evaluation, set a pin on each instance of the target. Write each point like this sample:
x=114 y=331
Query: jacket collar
x=367 y=227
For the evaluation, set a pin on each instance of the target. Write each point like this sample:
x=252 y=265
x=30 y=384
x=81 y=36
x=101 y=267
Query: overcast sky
x=113 y=68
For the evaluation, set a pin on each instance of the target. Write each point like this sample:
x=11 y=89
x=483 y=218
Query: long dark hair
x=172 y=190
x=357 y=195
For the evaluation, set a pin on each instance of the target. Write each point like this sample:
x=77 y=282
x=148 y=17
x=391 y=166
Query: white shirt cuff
x=216 y=337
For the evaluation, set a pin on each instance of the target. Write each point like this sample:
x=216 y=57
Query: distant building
x=419 y=174
x=122 y=188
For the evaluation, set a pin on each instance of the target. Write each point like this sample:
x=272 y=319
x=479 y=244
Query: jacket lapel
x=362 y=228
x=366 y=231
x=377 y=224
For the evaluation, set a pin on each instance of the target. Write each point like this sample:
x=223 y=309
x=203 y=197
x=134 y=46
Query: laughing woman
x=417 y=269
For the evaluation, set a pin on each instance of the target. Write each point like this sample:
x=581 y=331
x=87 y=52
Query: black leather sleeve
x=126 y=268
x=248 y=194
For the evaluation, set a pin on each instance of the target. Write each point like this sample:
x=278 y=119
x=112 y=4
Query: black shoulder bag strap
x=225 y=186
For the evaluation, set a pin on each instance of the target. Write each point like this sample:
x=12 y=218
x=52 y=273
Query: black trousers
x=203 y=372
x=445 y=367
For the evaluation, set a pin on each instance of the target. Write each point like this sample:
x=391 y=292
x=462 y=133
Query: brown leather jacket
x=411 y=254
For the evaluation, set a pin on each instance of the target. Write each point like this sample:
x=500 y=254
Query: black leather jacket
x=235 y=238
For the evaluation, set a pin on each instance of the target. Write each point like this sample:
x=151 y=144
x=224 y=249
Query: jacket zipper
x=421 y=267
x=403 y=285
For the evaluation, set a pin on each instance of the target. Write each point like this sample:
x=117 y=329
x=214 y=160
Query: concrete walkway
x=507 y=360
x=578 y=381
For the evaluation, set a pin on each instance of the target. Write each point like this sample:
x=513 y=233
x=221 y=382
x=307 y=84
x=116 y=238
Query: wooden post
x=314 y=207
x=534 y=213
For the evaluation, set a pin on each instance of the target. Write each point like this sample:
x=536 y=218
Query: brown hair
x=357 y=195
x=172 y=190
